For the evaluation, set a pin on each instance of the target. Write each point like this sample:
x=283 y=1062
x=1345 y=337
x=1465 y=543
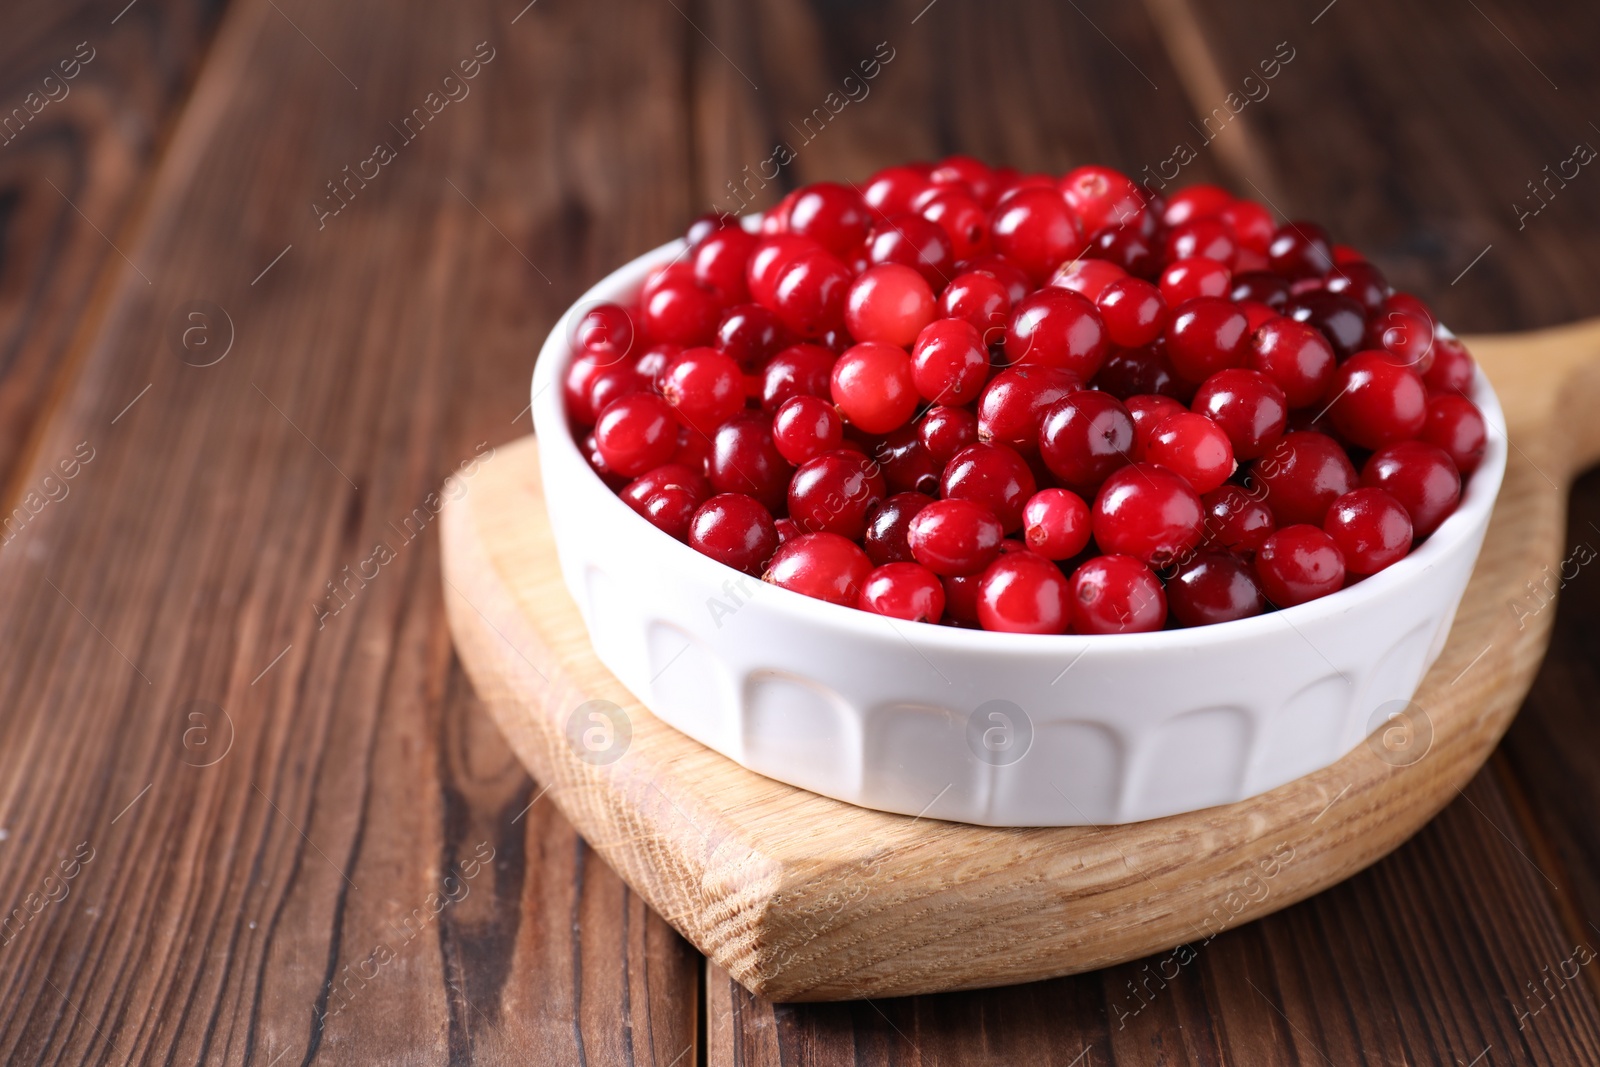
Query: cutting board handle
x=1548 y=382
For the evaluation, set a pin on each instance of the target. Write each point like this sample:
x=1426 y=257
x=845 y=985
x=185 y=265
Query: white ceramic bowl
x=990 y=728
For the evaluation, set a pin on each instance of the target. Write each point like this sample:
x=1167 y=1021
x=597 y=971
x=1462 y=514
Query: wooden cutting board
x=800 y=897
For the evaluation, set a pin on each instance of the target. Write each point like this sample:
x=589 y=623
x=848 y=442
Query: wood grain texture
x=284 y=783
x=803 y=898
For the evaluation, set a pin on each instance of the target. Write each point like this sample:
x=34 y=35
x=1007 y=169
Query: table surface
x=237 y=785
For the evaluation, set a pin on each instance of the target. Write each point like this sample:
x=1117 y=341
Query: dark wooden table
x=231 y=821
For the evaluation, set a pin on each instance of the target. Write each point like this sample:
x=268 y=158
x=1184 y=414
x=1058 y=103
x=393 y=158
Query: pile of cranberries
x=967 y=395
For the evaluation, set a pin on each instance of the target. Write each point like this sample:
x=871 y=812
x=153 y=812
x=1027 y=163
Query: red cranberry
x=575 y=389
x=906 y=465
x=810 y=293
x=821 y=565
x=1206 y=335
x=667 y=496
x=1214 y=588
x=915 y=242
x=745 y=459
x=1297 y=564
x=1194 y=447
x=684 y=313
x=1199 y=201
x=1377 y=403
x=904 y=591
x=1251 y=223
x=831 y=214
x=1235 y=521
x=1421 y=477
x=1021 y=593
x=1101 y=197
x=891 y=190
x=704 y=387
x=1205 y=238
x=1300 y=249
x=705 y=225
x=1116 y=594
x=992 y=475
x=1002 y=270
x=980 y=300
x=890 y=303
x=1014 y=403
x=1455 y=425
x=1405 y=336
x=1295 y=356
x=955 y=537
x=771 y=256
x=1087 y=277
x=800 y=370
x=1057 y=328
x=949 y=363
x=1190 y=279
x=873 y=386
x=834 y=492
x=1302 y=476
x=1133 y=312
x=1362 y=282
x=1148 y=410
x=1249 y=407
x=975 y=174
x=1084 y=437
x=889 y=526
x=1149 y=513
x=806 y=426
x=751 y=335
x=962 y=217
x=736 y=530
x=605 y=334
x=1371 y=529
x=636 y=433
x=1341 y=320
x=1133 y=371
x=1262 y=287
x=652 y=364
x=1056 y=523
x=611 y=383
x=1036 y=230
x=944 y=431
x=720 y=261
x=1452 y=367
x=961 y=599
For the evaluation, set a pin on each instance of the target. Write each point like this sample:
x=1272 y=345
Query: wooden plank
x=271 y=869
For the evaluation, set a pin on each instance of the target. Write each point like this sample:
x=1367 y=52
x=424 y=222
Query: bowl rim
x=557 y=445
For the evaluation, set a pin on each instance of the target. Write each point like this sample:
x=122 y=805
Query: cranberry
x=1036 y=230
x=890 y=303
x=1452 y=367
x=652 y=364
x=1371 y=529
x=833 y=215
x=745 y=459
x=1295 y=356
x=1206 y=335
x=944 y=431
x=605 y=333
x=720 y=261
x=891 y=190
x=636 y=433
x=1260 y=286
x=1148 y=410
x=1377 y=403
x=1132 y=371
x=975 y=174
x=963 y=218
x=736 y=530
x=1127 y=247
x=889 y=527
x=904 y=591
x=772 y=254
x=1235 y=521
x=1249 y=407
x=1300 y=249
x=906 y=465
x=1022 y=593
x=915 y=242
x=980 y=300
x=1100 y=197
x=961 y=599
x=751 y=335
x=1302 y=476
x=1362 y=282
x=667 y=496
x=1188 y=279
x=705 y=225
x=1297 y=564
x=1056 y=523
x=1147 y=512
x=1084 y=437
x=1194 y=447
x=800 y=370
x=992 y=475
x=1198 y=201
x=683 y=313
x=949 y=363
x=611 y=383
x=809 y=295
x=1251 y=223
x=821 y=565
x=1214 y=588
x=1455 y=425
x=1087 y=277
x=1002 y=270
x=704 y=387
x=955 y=537
x=806 y=426
x=1205 y=238
x=1405 y=336
x=1057 y=328
x=1116 y=594
x=575 y=389
x=1133 y=312
x=834 y=492
x=1015 y=401
x=1420 y=476
x=873 y=386
x=1341 y=320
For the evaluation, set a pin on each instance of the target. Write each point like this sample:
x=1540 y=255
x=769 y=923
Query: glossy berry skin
x=745 y=459
x=1371 y=529
x=1235 y=521
x=1452 y=368
x=1189 y=279
x=1339 y=318
x=1084 y=437
x=611 y=383
x=1145 y=370
x=891 y=190
x=955 y=537
x=992 y=475
x=809 y=294
x=1204 y=238
x=1376 y=402
x=1300 y=249
x=1133 y=310
x=735 y=530
x=1456 y=425
x=873 y=386
x=1147 y=512
x=704 y=387
x=767 y=262
x=1295 y=356
x=800 y=370
x=635 y=434
x=1262 y=287
x=1021 y=593
x=887 y=539
x=890 y=303
x=667 y=496
x=1036 y=230
x=1206 y=335
x=1116 y=594
x=1149 y=410
x=1015 y=401
x=1214 y=588
x=821 y=565
x=605 y=334
x=906 y=465
x=1302 y=476
x=1101 y=197
x=960 y=216
x=1252 y=224
x=683 y=313
x=917 y=243
x=1199 y=201
x=1087 y=277
x=1248 y=406
x=1421 y=477
x=981 y=301
x=944 y=431
x=834 y=492
x=1362 y=282
x=720 y=259
x=751 y=335
x=903 y=591
x=949 y=362
x=1195 y=448
x=1298 y=564
x=1056 y=523
x=1057 y=328
x=1002 y=270
x=1128 y=247
x=833 y=215
x=806 y=426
